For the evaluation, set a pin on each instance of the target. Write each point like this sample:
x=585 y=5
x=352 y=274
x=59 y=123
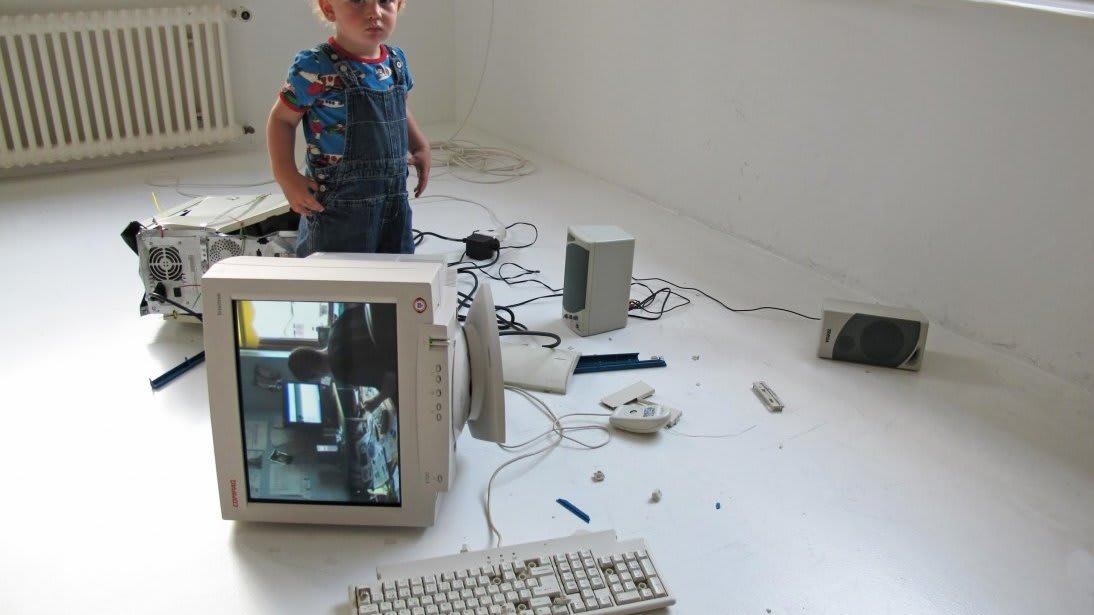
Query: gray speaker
x=872 y=334
x=596 y=286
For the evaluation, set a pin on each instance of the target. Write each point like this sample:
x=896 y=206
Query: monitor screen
x=319 y=401
x=302 y=403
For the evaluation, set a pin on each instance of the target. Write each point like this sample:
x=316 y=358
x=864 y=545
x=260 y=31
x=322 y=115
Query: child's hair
x=319 y=12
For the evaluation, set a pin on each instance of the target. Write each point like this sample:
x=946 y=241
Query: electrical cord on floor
x=678 y=433
x=465 y=298
x=473 y=269
x=530 y=243
x=419 y=237
x=558 y=340
x=177 y=186
x=501 y=164
x=499 y=228
x=554 y=437
x=470 y=266
x=527 y=301
x=513 y=279
x=644 y=304
x=454 y=154
x=755 y=309
x=505 y=324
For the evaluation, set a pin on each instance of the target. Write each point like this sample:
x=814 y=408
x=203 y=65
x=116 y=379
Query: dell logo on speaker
x=827 y=335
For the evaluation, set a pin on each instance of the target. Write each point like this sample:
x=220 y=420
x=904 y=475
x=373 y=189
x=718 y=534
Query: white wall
x=266 y=45
x=931 y=153
x=262 y=48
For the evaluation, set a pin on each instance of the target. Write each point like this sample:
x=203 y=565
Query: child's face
x=361 y=25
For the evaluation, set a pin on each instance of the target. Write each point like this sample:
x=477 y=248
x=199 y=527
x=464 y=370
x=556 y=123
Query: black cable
x=558 y=340
x=755 y=309
x=467 y=266
x=467 y=298
x=527 y=245
x=512 y=280
x=505 y=324
x=644 y=304
x=526 y=302
x=162 y=299
x=420 y=236
x=509 y=322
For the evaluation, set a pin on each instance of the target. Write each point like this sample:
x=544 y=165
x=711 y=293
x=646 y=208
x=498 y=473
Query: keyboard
x=591 y=574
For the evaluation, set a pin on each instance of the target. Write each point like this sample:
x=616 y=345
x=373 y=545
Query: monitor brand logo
x=235 y=493
x=827 y=335
x=220 y=309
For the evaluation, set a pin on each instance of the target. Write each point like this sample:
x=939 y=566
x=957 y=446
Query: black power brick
x=481 y=247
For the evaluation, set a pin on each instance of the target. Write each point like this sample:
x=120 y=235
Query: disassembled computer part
x=177 y=247
x=635 y=392
x=770 y=400
x=641 y=416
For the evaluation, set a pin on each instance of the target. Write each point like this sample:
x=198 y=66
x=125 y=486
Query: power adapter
x=481 y=247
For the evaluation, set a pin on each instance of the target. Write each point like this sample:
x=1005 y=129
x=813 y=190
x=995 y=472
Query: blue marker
x=574 y=509
x=178 y=370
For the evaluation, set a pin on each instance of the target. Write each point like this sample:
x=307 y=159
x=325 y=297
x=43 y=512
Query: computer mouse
x=640 y=417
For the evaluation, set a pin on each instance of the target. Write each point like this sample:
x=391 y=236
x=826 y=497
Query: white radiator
x=105 y=83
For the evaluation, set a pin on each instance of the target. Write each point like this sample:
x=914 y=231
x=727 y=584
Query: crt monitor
x=339 y=383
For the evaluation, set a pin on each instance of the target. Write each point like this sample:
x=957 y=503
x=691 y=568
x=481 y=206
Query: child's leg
x=396 y=234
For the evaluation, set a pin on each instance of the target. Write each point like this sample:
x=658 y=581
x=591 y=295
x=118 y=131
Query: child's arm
x=281 y=142
x=420 y=155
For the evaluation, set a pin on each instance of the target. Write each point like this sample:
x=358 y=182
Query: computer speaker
x=596 y=286
x=872 y=334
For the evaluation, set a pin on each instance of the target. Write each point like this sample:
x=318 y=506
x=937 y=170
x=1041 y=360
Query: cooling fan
x=221 y=248
x=165 y=264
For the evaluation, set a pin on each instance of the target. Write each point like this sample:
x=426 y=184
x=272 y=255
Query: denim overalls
x=364 y=197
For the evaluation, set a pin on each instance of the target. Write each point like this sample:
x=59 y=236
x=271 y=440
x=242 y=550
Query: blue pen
x=574 y=509
x=178 y=370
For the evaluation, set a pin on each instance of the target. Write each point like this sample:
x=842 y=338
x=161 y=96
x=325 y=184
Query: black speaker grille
x=882 y=340
x=874 y=340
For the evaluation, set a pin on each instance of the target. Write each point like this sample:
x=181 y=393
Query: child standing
x=351 y=94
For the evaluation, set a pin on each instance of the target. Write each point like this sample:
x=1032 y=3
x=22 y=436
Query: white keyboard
x=593 y=574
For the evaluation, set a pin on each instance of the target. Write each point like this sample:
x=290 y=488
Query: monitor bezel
x=413 y=287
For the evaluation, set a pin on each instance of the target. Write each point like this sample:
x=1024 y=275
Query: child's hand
x=300 y=192
x=422 y=159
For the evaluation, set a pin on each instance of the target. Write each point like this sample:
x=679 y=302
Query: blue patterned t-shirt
x=315 y=89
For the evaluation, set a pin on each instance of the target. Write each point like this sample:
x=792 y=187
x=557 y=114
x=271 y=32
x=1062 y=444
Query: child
x=351 y=93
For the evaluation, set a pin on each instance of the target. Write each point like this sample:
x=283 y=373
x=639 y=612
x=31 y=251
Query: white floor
x=966 y=488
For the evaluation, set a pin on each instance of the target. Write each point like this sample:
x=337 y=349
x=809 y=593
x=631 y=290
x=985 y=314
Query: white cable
x=557 y=430
x=491 y=161
x=724 y=435
x=499 y=228
x=482 y=73
x=177 y=185
x=502 y=164
x=250 y=205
